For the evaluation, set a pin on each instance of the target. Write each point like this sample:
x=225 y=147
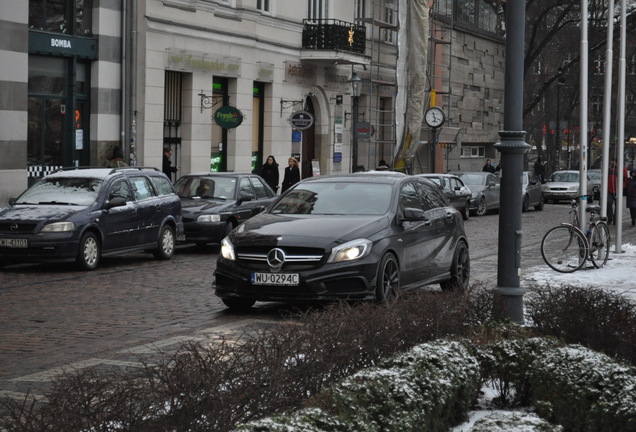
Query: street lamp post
x=356 y=85
x=560 y=83
x=512 y=148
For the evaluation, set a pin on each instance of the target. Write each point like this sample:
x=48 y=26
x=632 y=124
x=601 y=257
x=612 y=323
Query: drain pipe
x=122 y=117
x=133 y=84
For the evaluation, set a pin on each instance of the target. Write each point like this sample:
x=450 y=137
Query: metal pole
x=512 y=148
x=354 y=134
x=583 y=115
x=557 y=144
x=621 y=130
x=607 y=105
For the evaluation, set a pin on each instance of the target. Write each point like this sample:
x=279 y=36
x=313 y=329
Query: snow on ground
x=618 y=274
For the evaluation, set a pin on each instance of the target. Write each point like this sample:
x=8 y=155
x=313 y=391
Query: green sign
x=228 y=117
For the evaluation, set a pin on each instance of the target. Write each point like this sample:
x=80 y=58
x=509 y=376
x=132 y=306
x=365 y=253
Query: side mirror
x=115 y=202
x=12 y=201
x=244 y=197
x=413 y=214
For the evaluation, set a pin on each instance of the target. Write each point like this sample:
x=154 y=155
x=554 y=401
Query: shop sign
x=364 y=130
x=197 y=61
x=228 y=117
x=301 y=120
x=60 y=44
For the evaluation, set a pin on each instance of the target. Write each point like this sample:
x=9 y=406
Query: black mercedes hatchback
x=345 y=237
x=84 y=214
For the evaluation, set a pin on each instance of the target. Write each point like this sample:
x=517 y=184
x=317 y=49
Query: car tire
x=89 y=252
x=524 y=205
x=539 y=206
x=460 y=270
x=239 y=304
x=166 y=244
x=482 y=207
x=466 y=211
x=387 y=282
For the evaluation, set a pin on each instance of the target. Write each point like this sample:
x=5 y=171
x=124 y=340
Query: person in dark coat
x=118 y=159
x=631 y=196
x=269 y=172
x=489 y=167
x=292 y=174
x=167 y=167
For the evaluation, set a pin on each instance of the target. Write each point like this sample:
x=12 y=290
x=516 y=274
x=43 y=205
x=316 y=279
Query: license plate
x=275 y=279
x=14 y=243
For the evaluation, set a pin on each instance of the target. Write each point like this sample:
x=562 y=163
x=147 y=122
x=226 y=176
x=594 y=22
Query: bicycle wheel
x=599 y=244
x=564 y=249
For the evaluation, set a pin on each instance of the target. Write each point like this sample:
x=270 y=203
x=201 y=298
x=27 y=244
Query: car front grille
x=10 y=227
x=295 y=258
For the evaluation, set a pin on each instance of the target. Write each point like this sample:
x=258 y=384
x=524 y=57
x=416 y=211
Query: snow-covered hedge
x=433 y=386
x=584 y=390
x=429 y=388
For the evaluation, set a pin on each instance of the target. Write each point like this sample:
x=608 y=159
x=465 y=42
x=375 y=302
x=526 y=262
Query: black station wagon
x=84 y=214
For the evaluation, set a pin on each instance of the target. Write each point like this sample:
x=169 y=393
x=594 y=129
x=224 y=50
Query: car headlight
x=474 y=195
x=227 y=250
x=59 y=227
x=350 y=251
x=209 y=218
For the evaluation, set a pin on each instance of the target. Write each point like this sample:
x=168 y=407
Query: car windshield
x=594 y=175
x=565 y=177
x=206 y=187
x=62 y=190
x=473 y=179
x=336 y=198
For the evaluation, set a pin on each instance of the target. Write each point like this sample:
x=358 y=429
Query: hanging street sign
x=228 y=117
x=301 y=120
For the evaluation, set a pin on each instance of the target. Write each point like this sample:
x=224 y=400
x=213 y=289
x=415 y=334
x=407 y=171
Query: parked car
x=215 y=203
x=532 y=195
x=84 y=214
x=455 y=190
x=596 y=178
x=345 y=237
x=484 y=188
x=564 y=185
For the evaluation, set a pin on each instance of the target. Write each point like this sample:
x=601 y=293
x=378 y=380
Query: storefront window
x=55 y=16
x=47 y=75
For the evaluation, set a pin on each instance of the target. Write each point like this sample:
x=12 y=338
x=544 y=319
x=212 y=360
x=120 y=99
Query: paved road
x=55 y=318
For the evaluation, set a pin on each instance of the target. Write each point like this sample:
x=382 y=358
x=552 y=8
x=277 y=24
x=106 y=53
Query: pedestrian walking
x=167 y=167
x=539 y=170
x=631 y=196
x=292 y=174
x=269 y=172
x=489 y=167
x=612 y=190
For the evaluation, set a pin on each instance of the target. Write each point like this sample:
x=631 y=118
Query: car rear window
x=163 y=185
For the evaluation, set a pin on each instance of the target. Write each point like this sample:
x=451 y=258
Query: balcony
x=332 y=40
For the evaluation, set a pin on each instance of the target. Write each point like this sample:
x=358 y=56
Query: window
x=262 y=5
x=120 y=189
x=317 y=9
x=143 y=189
x=163 y=185
x=482 y=14
x=473 y=151
x=246 y=188
x=260 y=188
x=409 y=198
x=599 y=65
x=61 y=16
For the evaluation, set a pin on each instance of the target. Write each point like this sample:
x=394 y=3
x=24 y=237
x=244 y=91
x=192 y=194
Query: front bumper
x=325 y=282
x=58 y=247
x=208 y=232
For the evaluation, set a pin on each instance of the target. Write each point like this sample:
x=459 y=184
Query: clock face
x=434 y=117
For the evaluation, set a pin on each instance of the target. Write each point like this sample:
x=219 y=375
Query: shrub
x=584 y=390
x=593 y=317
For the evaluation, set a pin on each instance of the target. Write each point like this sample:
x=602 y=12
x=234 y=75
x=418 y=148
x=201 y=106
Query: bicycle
x=566 y=249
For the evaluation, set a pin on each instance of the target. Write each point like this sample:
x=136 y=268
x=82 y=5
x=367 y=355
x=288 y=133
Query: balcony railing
x=332 y=34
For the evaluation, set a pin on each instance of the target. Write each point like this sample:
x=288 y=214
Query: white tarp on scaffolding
x=411 y=75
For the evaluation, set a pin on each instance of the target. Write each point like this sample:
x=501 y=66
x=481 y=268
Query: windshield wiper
x=57 y=203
